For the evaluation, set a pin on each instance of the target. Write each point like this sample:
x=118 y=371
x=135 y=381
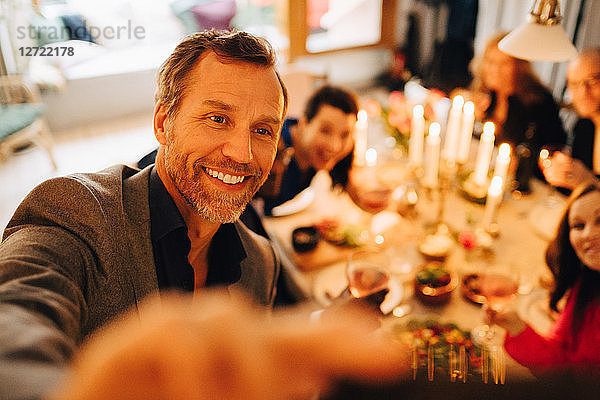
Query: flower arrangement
x=397 y=114
x=477 y=244
x=467 y=240
x=471 y=240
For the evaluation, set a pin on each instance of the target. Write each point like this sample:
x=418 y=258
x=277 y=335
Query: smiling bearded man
x=82 y=249
x=213 y=205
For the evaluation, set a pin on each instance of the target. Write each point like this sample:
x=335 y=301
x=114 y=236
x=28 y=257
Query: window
x=317 y=26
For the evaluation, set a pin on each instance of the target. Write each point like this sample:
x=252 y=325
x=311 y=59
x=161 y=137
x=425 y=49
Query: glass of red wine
x=499 y=289
x=367 y=272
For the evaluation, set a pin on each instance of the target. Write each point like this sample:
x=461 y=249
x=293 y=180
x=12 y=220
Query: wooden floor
x=84 y=149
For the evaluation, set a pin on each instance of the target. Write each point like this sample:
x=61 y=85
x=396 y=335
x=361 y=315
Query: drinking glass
x=373 y=196
x=367 y=272
x=499 y=289
x=544 y=162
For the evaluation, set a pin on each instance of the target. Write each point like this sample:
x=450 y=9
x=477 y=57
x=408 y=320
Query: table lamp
x=542 y=37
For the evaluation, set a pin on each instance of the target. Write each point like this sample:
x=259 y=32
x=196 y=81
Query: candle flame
x=469 y=108
x=504 y=151
x=434 y=129
x=362 y=116
x=489 y=128
x=371 y=157
x=544 y=154
x=418 y=111
x=458 y=102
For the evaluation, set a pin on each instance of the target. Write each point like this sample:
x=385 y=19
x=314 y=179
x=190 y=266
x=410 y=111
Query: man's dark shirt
x=171 y=245
x=584 y=134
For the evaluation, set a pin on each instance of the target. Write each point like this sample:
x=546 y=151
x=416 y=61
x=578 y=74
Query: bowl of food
x=305 y=238
x=434 y=283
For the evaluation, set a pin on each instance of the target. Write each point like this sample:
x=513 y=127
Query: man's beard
x=210 y=203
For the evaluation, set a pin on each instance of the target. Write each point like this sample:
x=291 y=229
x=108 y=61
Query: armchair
x=22 y=117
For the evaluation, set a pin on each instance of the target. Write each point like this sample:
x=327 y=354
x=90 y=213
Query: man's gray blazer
x=76 y=254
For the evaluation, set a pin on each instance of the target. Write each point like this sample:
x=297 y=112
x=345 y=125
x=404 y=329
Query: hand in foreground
x=507 y=319
x=564 y=171
x=368 y=307
x=221 y=348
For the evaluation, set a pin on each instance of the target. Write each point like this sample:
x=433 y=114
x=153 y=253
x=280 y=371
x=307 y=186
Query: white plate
x=300 y=202
x=330 y=283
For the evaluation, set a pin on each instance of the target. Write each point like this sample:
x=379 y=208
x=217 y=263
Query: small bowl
x=305 y=238
x=431 y=294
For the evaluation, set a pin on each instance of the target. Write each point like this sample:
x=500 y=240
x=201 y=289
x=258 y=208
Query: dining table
x=522 y=228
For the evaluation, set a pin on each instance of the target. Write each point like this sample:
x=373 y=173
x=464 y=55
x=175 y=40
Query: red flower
x=372 y=108
x=467 y=239
x=400 y=121
x=397 y=100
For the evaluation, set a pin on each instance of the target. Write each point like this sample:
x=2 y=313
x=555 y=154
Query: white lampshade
x=542 y=37
x=535 y=42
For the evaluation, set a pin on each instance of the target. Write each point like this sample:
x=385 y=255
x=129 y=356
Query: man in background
x=583 y=164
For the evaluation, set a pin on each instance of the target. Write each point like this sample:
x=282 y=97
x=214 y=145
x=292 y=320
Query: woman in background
x=574 y=260
x=507 y=92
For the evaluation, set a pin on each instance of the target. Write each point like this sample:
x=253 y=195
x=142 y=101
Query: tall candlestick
x=502 y=161
x=484 y=154
x=441 y=109
x=494 y=196
x=432 y=156
x=417 y=132
x=466 y=132
x=360 y=138
x=453 y=129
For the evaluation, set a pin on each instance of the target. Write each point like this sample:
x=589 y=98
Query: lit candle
x=432 y=156
x=417 y=132
x=371 y=157
x=484 y=154
x=494 y=196
x=502 y=161
x=466 y=132
x=360 y=138
x=453 y=129
x=370 y=171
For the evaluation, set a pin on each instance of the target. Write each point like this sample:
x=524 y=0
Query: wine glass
x=372 y=196
x=499 y=289
x=367 y=272
x=544 y=162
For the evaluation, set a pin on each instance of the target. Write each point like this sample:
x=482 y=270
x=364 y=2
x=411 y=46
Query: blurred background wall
x=358 y=43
